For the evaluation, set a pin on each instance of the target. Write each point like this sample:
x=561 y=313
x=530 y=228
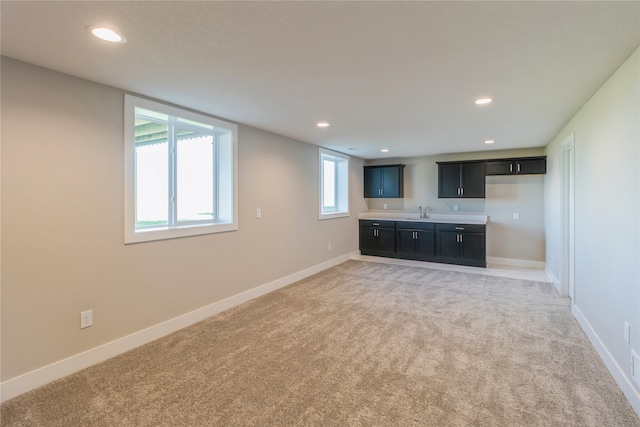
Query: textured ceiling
x=397 y=75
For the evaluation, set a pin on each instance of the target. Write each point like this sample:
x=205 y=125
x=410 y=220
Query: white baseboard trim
x=41 y=376
x=516 y=262
x=553 y=278
x=618 y=374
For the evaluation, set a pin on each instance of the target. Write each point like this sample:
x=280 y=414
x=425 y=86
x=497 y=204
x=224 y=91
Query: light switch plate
x=627 y=332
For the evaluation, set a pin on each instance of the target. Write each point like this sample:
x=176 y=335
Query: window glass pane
x=224 y=168
x=152 y=176
x=149 y=132
x=329 y=185
x=194 y=169
x=334 y=184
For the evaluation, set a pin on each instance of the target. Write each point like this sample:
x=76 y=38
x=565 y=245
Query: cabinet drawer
x=379 y=224
x=404 y=225
x=466 y=228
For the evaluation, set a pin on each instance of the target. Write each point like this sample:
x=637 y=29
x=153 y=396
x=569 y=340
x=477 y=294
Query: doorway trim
x=567 y=179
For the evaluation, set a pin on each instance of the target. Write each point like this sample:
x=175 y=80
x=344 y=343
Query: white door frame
x=567 y=174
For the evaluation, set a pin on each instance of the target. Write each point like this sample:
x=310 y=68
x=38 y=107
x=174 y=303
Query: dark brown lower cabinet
x=461 y=244
x=424 y=241
x=415 y=240
x=377 y=238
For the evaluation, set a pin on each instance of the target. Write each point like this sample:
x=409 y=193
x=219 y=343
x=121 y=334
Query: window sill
x=150 y=235
x=333 y=215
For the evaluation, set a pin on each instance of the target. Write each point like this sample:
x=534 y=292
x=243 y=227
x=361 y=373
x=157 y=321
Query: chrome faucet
x=420 y=212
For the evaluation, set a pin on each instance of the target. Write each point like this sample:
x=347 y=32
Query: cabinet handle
x=518 y=167
x=510 y=167
x=462 y=191
x=415 y=235
x=459 y=228
x=461 y=238
x=457 y=238
x=375 y=223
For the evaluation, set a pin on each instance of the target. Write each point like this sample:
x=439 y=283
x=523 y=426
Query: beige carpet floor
x=360 y=344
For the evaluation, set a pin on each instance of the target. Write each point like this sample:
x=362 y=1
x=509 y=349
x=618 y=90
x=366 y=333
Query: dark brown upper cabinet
x=384 y=181
x=518 y=166
x=461 y=180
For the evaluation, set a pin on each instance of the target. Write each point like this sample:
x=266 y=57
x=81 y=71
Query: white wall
x=507 y=238
x=63 y=213
x=607 y=215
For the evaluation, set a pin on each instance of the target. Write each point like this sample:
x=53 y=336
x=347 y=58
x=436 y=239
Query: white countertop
x=446 y=218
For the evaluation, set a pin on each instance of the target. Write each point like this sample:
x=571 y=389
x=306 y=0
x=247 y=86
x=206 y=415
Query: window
x=334 y=184
x=180 y=172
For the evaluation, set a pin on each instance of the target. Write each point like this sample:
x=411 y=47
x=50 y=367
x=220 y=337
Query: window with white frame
x=180 y=172
x=334 y=184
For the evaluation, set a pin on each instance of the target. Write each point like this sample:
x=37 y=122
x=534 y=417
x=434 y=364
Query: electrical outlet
x=385 y=206
x=258 y=213
x=627 y=332
x=455 y=208
x=329 y=247
x=86 y=319
x=516 y=215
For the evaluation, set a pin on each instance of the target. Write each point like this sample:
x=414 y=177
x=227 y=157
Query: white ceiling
x=397 y=75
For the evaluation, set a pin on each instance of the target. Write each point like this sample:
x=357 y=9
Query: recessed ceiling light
x=483 y=101
x=106 y=34
x=489 y=141
x=385 y=150
x=323 y=124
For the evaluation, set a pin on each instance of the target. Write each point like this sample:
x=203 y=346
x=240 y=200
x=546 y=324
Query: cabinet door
x=391 y=178
x=447 y=246
x=406 y=243
x=472 y=249
x=473 y=177
x=531 y=166
x=500 y=167
x=425 y=244
x=448 y=180
x=372 y=182
x=368 y=240
x=386 y=241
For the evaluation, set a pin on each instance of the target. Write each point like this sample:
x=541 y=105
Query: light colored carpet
x=360 y=344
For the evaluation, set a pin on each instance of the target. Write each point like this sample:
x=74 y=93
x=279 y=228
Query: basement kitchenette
x=445 y=237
